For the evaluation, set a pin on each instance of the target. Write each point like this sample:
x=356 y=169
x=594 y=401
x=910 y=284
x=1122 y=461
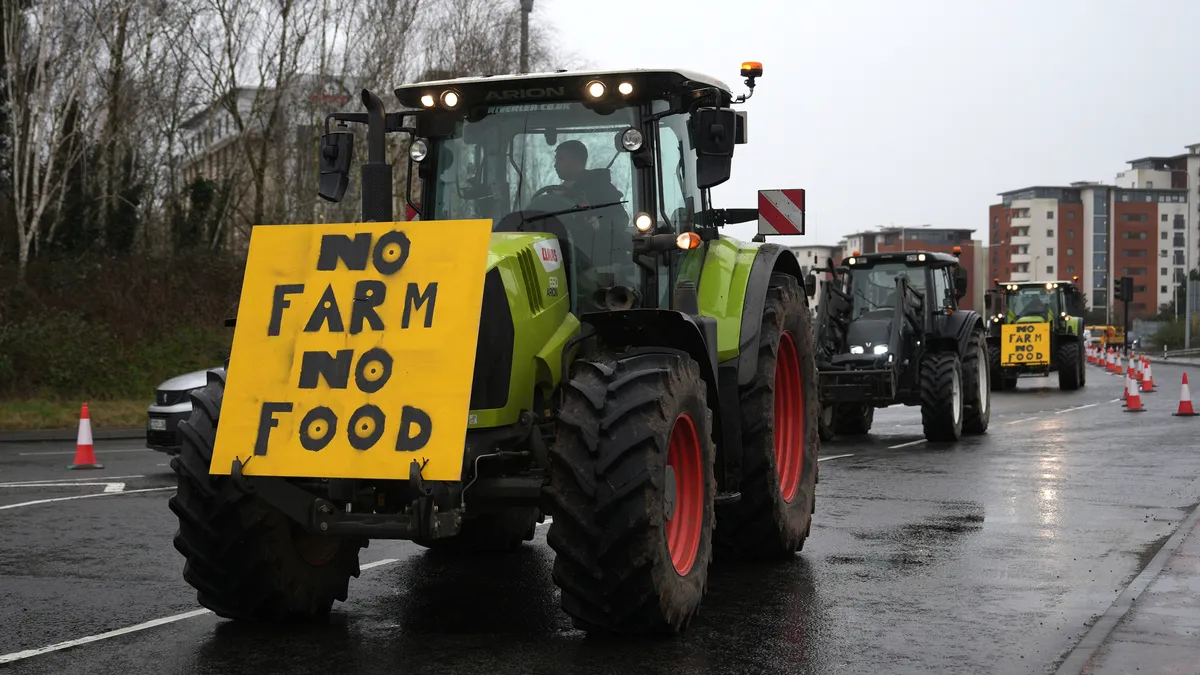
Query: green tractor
x=1036 y=329
x=558 y=329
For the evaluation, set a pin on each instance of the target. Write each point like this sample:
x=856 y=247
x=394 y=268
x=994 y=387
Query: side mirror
x=714 y=135
x=960 y=283
x=337 y=152
x=810 y=284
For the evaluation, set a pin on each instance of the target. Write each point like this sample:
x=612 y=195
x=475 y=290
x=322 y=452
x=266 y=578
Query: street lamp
x=526 y=8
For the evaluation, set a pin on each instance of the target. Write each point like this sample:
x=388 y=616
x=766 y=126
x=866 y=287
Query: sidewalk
x=1159 y=631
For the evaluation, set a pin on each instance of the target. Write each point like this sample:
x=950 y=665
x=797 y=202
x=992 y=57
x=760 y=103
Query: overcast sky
x=915 y=112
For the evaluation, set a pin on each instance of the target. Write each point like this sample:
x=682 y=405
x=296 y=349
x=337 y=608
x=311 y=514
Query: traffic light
x=1123 y=289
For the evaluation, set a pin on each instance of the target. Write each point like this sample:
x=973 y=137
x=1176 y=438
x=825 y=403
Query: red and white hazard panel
x=781 y=211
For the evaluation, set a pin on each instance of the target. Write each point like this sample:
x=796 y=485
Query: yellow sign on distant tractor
x=1025 y=344
x=353 y=350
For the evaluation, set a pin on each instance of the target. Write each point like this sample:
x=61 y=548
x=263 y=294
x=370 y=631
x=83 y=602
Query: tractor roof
x=1061 y=283
x=910 y=258
x=562 y=85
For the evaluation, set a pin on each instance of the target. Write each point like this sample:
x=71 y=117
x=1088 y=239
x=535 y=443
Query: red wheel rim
x=789 y=418
x=684 y=525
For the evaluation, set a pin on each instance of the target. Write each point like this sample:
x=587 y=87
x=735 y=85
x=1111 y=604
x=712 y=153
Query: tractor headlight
x=625 y=88
x=881 y=349
x=632 y=140
x=643 y=222
x=856 y=349
x=419 y=150
x=450 y=98
x=596 y=89
x=427 y=100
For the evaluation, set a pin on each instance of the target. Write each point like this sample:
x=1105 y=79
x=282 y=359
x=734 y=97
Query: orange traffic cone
x=1133 y=399
x=1185 y=400
x=85 y=454
x=1148 y=383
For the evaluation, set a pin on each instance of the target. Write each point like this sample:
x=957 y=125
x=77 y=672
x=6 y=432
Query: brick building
x=1135 y=227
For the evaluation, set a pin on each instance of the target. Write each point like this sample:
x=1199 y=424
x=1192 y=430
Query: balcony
x=1021 y=276
x=1019 y=241
x=1021 y=258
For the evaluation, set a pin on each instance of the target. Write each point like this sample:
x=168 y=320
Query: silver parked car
x=172 y=404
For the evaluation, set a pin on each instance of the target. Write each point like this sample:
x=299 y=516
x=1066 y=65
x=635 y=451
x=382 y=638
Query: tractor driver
x=583 y=186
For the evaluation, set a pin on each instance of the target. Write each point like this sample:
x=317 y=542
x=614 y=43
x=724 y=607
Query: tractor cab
x=616 y=165
x=1053 y=302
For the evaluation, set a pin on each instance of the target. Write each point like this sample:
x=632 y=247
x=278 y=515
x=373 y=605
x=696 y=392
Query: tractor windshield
x=520 y=163
x=874 y=289
x=1031 y=303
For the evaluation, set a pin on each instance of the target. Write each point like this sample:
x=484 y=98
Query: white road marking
x=1115 y=400
x=826 y=459
x=28 y=653
x=67 y=499
x=64 y=480
x=377 y=563
x=108 y=487
x=1078 y=407
x=905 y=445
x=72 y=452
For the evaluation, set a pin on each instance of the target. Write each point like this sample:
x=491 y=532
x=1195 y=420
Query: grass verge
x=40 y=414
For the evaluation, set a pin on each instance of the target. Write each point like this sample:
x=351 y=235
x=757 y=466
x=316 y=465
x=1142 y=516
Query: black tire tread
x=761 y=524
x=937 y=382
x=607 y=473
x=238 y=550
x=975 y=417
x=1069 y=368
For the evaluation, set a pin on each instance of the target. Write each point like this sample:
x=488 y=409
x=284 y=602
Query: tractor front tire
x=246 y=559
x=999 y=381
x=942 y=396
x=825 y=424
x=780 y=441
x=489 y=533
x=1069 y=366
x=632 y=489
x=977 y=390
x=853 y=419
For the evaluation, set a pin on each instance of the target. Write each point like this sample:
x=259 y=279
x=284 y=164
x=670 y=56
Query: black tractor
x=890 y=331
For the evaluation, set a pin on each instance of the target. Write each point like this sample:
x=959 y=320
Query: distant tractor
x=890 y=332
x=1036 y=328
x=560 y=330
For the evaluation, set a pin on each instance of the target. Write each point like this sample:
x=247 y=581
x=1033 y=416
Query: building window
x=1164 y=235
x=1070 y=251
x=1179 y=222
x=1049 y=215
x=1164 y=218
x=1050 y=251
x=1134 y=252
x=1139 y=289
x=1133 y=217
x=1049 y=269
x=1071 y=233
x=1070 y=269
x=1163 y=289
x=1049 y=233
x=996 y=220
x=1070 y=215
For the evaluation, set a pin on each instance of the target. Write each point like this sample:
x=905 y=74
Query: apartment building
x=1137 y=226
x=927 y=238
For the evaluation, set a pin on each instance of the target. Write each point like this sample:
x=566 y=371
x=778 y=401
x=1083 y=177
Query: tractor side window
x=678 y=197
x=943 y=296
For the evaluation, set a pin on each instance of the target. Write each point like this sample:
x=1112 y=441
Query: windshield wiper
x=573 y=209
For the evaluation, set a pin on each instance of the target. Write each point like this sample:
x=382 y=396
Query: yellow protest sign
x=1025 y=344
x=354 y=349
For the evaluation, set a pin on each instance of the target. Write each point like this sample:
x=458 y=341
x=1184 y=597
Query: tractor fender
x=768 y=259
x=957 y=328
x=668 y=330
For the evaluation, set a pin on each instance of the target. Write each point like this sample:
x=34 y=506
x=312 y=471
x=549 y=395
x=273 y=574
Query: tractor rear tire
x=825 y=424
x=942 y=396
x=489 y=533
x=246 y=559
x=999 y=381
x=1069 y=368
x=780 y=442
x=853 y=419
x=632 y=488
x=977 y=390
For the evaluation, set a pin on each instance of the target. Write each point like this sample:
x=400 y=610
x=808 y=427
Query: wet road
x=993 y=555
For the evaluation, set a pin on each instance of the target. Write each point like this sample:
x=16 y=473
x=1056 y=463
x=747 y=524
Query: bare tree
x=43 y=47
